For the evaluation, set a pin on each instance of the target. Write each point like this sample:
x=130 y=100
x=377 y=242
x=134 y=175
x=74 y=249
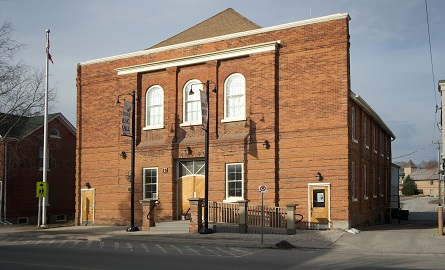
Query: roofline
x=219 y=38
x=67 y=123
x=362 y=103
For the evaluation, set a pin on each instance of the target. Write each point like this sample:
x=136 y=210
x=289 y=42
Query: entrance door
x=190 y=187
x=191 y=183
x=319 y=202
x=87 y=216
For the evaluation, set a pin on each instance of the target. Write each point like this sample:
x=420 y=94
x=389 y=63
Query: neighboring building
x=283 y=116
x=21 y=161
x=427 y=181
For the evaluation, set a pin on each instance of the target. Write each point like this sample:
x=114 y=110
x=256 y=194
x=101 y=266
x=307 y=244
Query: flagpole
x=45 y=134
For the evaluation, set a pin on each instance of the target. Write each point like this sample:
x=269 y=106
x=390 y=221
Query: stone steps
x=171 y=227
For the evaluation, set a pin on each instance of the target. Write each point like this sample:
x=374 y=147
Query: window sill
x=233 y=199
x=153 y=127
x=374 y=196
x=367 y=147
x=189 y=124
x=234 y=119
x=354 y=200
x=354 y=140
x=365 y=198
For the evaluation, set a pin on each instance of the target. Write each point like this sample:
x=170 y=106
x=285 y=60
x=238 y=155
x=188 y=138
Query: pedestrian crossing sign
x=41 y=190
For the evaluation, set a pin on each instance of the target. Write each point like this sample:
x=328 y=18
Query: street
x=413 y=244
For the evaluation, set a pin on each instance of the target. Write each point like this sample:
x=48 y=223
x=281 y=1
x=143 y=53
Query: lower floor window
x=234 y=181
x=150 y=183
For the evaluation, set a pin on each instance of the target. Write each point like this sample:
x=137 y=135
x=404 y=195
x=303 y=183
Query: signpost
x=262 y=189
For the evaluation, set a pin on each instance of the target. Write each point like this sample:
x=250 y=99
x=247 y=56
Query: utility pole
x=440 y=207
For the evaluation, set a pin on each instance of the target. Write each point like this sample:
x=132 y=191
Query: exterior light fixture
x=266 y=144
x=188 y=150
x=319 y=177
x=87 y=185
x=123 y=155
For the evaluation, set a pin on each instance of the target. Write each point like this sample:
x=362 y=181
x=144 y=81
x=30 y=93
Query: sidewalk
x=409 y=237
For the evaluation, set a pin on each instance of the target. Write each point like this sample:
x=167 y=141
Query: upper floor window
x=353 y=120
x=365 y=132
x=353 y=183
x=235 y=98
x=54 y=133
x=192 y=103
x=155 y=107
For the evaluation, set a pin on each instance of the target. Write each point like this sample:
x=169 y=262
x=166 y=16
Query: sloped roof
x=424 y=174
x=226 y=22
x=22 y=126
x=410 y=164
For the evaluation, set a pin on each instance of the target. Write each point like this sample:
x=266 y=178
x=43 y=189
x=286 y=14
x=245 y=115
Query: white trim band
x=200 y=58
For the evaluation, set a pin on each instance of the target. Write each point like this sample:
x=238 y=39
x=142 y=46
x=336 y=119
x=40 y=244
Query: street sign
x=41 y=190
x=262 y=189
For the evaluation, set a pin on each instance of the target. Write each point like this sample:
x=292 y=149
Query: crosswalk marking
x=137 y=246
x=145 y=247
x=158 y=246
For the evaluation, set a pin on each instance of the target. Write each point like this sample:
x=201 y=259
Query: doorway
x=87 y=213
x=191 y=184
x=319 y=206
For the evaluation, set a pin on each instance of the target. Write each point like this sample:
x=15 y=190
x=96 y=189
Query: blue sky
x=390 y=54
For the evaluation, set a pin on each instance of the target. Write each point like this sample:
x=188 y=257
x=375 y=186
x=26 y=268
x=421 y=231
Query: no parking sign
x=262 y=189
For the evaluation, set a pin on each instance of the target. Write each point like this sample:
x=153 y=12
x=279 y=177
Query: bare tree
x=22 y=87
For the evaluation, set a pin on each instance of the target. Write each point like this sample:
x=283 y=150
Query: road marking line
x=211 y=251
x=145 y=247
x=192 y=250
x=158 y=246
x=116 y=245
x=130 y=246
x=75 y=243
x=50 y=242
x=177 y=249
x=62 y=243
x=101 y=245
x=218 y=248
x=89 y=244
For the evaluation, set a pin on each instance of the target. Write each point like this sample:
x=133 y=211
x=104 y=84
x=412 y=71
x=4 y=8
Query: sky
x=392 y=68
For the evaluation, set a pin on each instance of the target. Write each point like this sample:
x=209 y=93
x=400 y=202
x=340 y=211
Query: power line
x=432 y=71
x=426 y=146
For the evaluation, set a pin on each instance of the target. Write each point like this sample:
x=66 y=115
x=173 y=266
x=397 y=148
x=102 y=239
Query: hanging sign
x=204 y=110
x=126 y=113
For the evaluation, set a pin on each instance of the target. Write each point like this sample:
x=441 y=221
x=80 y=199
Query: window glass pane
x=150 y=183
x=235 y=89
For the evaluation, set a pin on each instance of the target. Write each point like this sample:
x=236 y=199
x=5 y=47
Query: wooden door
x=87 y=206
x=319 y=203
x=191 y=186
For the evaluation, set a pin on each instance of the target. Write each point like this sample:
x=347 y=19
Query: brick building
x=21 y=162
x=283 y=115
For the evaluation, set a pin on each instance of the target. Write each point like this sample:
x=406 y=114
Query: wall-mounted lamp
x=87 y=185
x=319 y=177
x=123 y=155
x=188 y=150
x=266 y=144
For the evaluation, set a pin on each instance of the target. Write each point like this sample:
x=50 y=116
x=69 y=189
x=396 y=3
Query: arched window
x=235 y=98
x=192 y=103
x=54 y=133
x=155 y=107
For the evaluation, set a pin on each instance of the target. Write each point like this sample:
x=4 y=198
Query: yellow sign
x=41 y=190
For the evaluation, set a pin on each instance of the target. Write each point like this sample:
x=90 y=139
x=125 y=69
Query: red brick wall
x=297 y=98
x=23 y=173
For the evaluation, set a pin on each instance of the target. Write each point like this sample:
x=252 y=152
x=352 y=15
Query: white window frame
x=144 y=184
x=365 y=132
x=354 y=183
x=234 y=198
x=353 y=123
x=149 y=106
x=365 y=183
x=194 y=100
x=241 y=95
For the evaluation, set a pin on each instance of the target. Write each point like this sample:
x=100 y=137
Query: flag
x=48 y=55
